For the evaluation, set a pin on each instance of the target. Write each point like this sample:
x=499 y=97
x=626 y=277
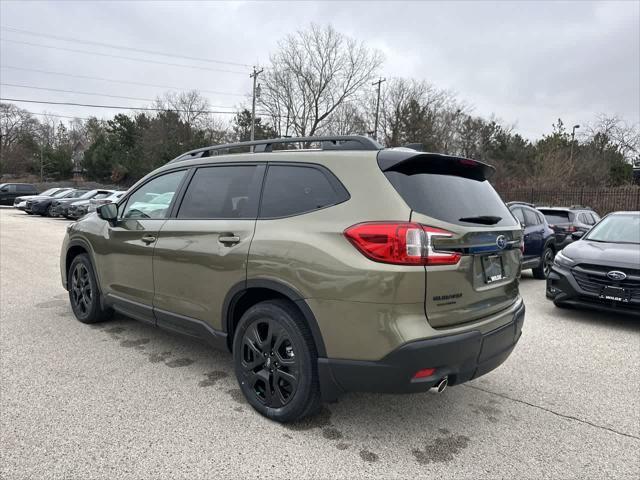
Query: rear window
x=556 y=216
x=449 y=197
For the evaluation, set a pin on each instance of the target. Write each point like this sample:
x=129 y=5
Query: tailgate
x=485 y=280
x=454 y=195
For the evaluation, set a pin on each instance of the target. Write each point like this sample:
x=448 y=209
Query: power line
x=122 y=47
x=45 y=114
x=88 y=52
x=127 y=82
x=116 y=107
x=31 y=87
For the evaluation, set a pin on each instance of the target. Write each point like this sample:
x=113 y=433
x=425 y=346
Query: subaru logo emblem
x=501 y=242
x=616 y=275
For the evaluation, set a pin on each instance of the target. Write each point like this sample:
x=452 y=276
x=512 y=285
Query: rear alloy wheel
x=83 y=292
x=275 y=362
x=546 y=261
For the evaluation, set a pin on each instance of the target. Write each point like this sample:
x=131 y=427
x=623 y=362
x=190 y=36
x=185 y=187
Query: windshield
x=556 y=216
x=61 y=194
x=164 y=199
x=617 y=229
x=51 y=191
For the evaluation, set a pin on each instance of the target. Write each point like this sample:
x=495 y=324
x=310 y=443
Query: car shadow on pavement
x=357 y=422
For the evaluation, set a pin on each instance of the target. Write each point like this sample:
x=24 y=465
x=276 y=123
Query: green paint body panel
x=364 y=309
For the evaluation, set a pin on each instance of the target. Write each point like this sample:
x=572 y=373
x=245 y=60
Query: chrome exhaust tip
x=441 y=385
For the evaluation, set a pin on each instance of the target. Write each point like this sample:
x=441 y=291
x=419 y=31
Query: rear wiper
x=482 y=219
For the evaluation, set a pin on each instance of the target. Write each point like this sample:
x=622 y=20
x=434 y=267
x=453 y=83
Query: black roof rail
x=335 y=142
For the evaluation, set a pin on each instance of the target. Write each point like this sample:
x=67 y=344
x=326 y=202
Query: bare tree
x=191 y=106
x=14 y=122
x=625 y=136
x=312 y=74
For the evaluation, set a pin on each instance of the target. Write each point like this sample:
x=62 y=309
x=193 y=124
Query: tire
x=273 y=348
x=84 y=293
x=542 y=271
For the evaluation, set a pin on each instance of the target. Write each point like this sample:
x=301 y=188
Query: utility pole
x=254 y=75
x=375 y=124
x=573 y=136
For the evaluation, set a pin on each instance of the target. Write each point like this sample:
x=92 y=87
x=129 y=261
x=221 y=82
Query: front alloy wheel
x=84 y=293
x=81 y=291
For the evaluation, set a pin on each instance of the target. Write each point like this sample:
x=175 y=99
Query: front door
x=127 y=268
x=202 y=250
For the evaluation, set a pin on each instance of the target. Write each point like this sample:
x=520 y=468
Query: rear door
x=202 y=249
x=533 y=234
x=453 y=195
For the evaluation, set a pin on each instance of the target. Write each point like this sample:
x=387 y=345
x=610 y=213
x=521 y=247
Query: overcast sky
x=526 y=63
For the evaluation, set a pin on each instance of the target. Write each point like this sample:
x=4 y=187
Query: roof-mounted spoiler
x=410 y=161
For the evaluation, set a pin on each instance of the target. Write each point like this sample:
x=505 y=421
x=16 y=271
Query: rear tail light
x=522 y=245
x=570 y=229
x=400 y=243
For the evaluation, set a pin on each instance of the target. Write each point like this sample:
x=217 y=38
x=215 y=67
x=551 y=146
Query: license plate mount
x=493 y=268
x=616 y=294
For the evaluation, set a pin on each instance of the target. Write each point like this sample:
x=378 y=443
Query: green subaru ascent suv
x=338 y=266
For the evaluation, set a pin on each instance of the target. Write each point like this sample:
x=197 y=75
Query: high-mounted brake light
x=400 y=243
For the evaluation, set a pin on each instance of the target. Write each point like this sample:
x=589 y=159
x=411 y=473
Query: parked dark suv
x=9 y=191
x=346 y=267
x=539 y=239
x=565 y=221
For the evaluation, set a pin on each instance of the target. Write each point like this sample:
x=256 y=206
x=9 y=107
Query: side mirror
x=108 y=212
x=5 y=189
x=577 y=235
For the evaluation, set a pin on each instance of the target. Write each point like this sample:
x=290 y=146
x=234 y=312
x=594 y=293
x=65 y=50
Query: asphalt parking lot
x=125 y=400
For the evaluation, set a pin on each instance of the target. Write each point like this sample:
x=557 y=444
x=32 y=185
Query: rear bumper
x=460 y=357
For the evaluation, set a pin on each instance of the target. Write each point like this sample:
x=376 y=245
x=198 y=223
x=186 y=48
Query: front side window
x=222 y=192
x=293 y=190
x=153 y=199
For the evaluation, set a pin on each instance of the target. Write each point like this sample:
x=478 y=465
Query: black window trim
x=180 y=193
x=341 y=191
x=125 y=198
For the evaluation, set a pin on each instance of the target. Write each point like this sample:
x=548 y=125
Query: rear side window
x=530 y=217
x=293 y=190
x=450 y=197
x=222 y=192
x=555 y=216
x=26 y=188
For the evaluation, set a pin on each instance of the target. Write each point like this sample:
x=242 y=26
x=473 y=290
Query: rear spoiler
x=410 y=161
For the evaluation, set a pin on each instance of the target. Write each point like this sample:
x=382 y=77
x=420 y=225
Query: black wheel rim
x=81 y=291
x=548 y=261
x=269 y=364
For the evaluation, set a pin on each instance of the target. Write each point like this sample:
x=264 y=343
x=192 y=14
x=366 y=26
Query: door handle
x=148 y=239
x=229 y=239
